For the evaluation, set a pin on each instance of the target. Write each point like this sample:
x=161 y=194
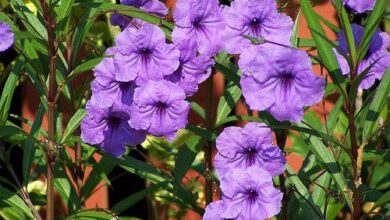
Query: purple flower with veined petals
x=279 y=80
x=254 y=18
x=192 y=70
x=143 y=53
x=160 y=108
x=360 y=6
x=377 y=57
x=109 y=128
x=150 y=6
x=249 y=193
x=201 y=21
x=6 y=36
x=213 y=211
x=106 y=89
x=248 y=146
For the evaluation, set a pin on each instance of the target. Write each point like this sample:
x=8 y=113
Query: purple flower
x=159 y=108
x=109 y=128
x=150 y=6
x=6 y=36
x=249 y=194
x=199 y=20
x=144 y=53
x=192 y=70
x=248 y=146
x=106 y=89
x=213 y=211
x=279 y=80
x=360 y=6
x=254 y=18
x=377 y=57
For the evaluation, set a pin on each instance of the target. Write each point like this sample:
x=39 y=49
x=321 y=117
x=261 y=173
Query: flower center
x=255 y=25
x=286 y=80
x=197 y=22
x=114 y=121
x=251 y=153
x=145 y=51
x=252 y=195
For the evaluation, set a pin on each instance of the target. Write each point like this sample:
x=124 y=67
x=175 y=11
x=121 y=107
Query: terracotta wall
x=30 y=101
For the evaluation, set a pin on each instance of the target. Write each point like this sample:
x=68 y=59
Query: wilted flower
x=106 y=89
x=248 y=146
x=143 y=53
x=213 y=211
x=159 y=108
x=6 y=36
x=150 y=6
x=279 y=80
x=192 y=70
x=360 y=6
x=377 y=57
x=249 y=193
x=259 y=19
x=109 y=128
x=199 y=20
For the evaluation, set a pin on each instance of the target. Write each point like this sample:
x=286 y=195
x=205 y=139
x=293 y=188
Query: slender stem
x=209 y=145
x=351 y=107
x=50 y=154
x=23 y=192
x=281 y=137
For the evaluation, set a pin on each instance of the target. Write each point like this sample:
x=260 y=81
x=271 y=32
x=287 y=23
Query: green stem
x=281 y=138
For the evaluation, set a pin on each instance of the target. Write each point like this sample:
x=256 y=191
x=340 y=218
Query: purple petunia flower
x=279 y=80
x=360 y=6
x=6 y=36
x=377 y=57
x=192 y=70
x=248 y=193
x=254 y=18
x=248 y=146
x=159 y=108
x=109 y=128
x=213 y=211
x=150 y=6
x=199 y=20
x=143 y=53
x=106 y=89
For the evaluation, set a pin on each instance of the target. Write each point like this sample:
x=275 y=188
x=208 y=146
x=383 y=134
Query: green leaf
x=324 y=47
x=134 y=198
x=311 y=210
x=73 y=124
x=371 y=27
x=84 y=66
x=29 y=147
x=228 y=101
x=294 y=37
x=207 y=135
x=385 y=198
x=14 y=200
x=186 y=157
x=9 y=88
x=198 y=109
x=97 y=214
x=229 y=70
x=66 y=189
x=329 y=162
x=376 y=106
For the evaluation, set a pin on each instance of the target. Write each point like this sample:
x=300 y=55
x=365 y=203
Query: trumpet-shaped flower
x=248 y=146
x=159 y=108
x=106 y=89
x=249 y=194
x=109 y=129
x=143 y=53
x=279 y=80
x=377 y=58
x=213 y=211
x=259 y=19
x=192 y=70
x=360 y=6
x=201 y=21
x=6 y=36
